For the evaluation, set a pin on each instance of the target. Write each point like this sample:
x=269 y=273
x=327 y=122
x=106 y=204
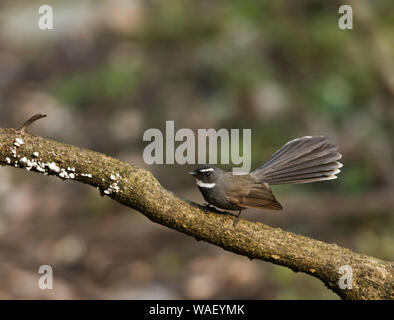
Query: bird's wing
x=250 y=194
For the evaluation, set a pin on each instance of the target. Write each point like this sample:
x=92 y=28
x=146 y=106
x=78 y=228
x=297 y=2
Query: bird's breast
x=217 y=197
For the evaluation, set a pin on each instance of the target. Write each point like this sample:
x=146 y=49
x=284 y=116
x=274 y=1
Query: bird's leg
x=237 y=218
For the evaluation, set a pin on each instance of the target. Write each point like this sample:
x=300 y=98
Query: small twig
x=34 y=118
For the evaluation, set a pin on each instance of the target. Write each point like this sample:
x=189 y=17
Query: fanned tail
x=303 y=160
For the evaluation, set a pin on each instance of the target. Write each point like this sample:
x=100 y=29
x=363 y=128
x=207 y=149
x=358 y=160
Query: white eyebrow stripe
x=206 y=170
x=205 y=185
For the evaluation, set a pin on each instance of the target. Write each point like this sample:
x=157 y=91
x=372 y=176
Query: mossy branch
x=138 y=189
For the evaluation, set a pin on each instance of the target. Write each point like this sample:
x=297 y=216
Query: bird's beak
x=193 y=173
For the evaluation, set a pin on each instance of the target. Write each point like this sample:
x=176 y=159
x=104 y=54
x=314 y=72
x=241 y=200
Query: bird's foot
x=207 y=207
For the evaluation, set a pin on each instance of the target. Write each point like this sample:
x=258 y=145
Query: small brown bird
x=303 y=160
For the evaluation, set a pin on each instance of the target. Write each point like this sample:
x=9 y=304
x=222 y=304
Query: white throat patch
x=205 y=185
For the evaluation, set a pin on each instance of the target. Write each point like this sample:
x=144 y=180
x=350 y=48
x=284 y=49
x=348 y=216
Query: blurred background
x=112 y=69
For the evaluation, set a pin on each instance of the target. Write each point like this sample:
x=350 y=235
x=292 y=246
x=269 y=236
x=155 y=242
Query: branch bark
x=138 y=189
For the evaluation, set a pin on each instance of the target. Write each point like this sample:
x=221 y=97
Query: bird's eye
x=207 y=174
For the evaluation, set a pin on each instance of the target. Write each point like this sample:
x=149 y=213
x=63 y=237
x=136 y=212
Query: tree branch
x=138 y=189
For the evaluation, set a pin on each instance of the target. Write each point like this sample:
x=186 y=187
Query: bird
x=302 y=160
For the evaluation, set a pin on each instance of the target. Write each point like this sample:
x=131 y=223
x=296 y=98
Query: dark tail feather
x=303 y=160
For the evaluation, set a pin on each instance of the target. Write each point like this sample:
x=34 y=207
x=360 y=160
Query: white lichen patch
x=113 y=188
x=18 y=142
x=66 y=175
x=42 y=167
x=54 y=167
x=88 y=175
x=63 y=174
